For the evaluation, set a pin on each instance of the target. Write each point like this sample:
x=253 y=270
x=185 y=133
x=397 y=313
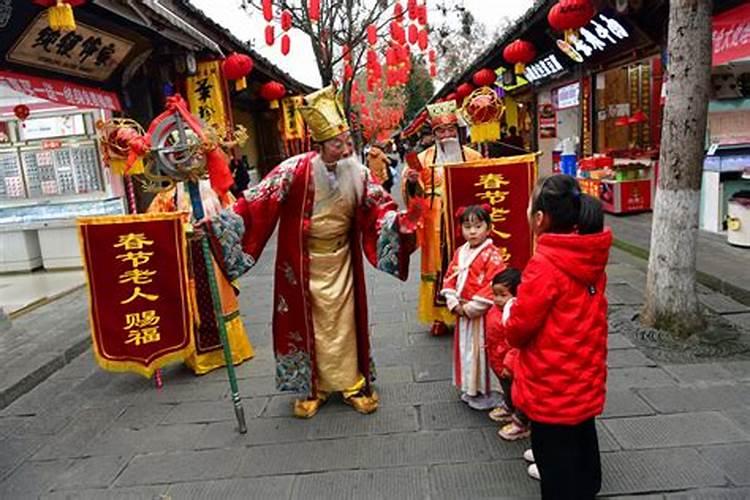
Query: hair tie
x=460 y=212
x=486 y=207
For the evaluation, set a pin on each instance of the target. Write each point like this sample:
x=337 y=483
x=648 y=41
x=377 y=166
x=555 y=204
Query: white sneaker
x=528 y=455
x=533 y=472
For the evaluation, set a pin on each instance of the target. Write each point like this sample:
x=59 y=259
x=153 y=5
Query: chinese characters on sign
x=494 y=192
x=205 y=92
x=602 y=31
x=138 y=287
x=731 y=35
x=543 y=68
x=294 y=127
x=60 y=92
x=503 y=184
x=86 y=52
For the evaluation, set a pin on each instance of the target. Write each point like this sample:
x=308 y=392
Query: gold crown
x=442 y=113
x=324 y=114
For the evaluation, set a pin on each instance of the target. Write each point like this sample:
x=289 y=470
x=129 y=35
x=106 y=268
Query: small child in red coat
x=468 y=292
x=558 y=322
x=502 y=357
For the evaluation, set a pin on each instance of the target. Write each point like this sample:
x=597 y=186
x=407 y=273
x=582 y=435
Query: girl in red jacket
x=468 y=292
x=558 y=322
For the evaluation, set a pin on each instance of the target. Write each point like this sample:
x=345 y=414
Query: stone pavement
x=669 y=431
x=721 y=266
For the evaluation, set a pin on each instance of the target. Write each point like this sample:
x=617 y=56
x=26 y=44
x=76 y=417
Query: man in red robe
x=329 y=212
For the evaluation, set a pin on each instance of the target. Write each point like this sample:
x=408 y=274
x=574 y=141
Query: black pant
x=568 y=460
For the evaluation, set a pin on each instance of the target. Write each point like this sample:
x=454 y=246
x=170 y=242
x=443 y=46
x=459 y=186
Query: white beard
x=448 y=151
x=348 y=179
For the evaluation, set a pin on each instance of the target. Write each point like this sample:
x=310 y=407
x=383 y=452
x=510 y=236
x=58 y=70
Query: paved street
x=674 y=431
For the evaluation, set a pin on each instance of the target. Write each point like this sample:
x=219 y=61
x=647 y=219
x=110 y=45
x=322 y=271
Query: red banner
x=60 y=91
x=731 y=35
x=136 y=267
x=505 y=184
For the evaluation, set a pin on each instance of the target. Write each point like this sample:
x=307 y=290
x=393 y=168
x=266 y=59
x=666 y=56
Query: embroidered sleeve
x=228 y=229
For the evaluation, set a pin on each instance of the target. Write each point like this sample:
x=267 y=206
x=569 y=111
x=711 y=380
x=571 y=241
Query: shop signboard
x=605 y=33
x=731 y=35
x=544 y=68
x=60 y=92
x=87 y=52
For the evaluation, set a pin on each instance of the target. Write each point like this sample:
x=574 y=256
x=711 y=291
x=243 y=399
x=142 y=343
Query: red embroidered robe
x=286 y=196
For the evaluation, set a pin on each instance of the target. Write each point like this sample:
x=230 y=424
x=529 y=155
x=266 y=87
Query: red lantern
x=313 y=10
x=286 y=20
x=398 y=12
x=411 y=6
x=422 y=14
x=372 y=58
x=270 y=35
x=22 y=112
x=372 y=34
x=60 y=13
x=268 y=10
x=237 y=67
x=433 y=70
x=272 y=92
x=464 y=90
x=285 y=44
x=423 y=39
x=484 y=77
x=432 y=55
x=413 y=34
x=570 y=15
x=520 y=53
x=348 y=72
x=555 y=19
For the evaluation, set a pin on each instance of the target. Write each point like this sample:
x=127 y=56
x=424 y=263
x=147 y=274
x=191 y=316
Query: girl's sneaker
x=528 y=455
x=533 y=472
x=501 y=415
x=513 y=432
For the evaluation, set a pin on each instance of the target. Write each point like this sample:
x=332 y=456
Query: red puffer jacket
x=501 y=355
x=559 y=324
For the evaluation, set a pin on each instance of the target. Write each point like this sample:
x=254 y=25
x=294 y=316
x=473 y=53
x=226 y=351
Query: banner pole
x=198 y=213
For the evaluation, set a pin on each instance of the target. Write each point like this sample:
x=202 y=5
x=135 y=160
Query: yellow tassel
x=520 y=68
x=485 y=132
x=274 y=104
x=241 y=84
x=60 y=17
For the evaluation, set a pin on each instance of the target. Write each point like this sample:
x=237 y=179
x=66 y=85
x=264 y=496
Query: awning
x=60 y=91
x=731 y=35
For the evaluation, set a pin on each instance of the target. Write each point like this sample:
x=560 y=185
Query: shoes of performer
x=363 y=403
x=308 y=408
x=439 y=329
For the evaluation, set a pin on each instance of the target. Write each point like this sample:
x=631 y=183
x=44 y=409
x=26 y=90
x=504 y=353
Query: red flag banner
x=136 y=267
x=505 y=184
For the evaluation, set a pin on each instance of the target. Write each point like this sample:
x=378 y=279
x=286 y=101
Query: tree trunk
x=671 y=296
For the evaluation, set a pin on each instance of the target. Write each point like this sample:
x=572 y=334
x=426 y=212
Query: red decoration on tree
x=433 y=70
x=286 y=20
x=520 y=53
x=22 y=112
x=270 y=35
x=411 y=6
x=413 y=34
x=422 y=14
x=285 y=44
x=484 y=77
x=423 y=39
x=432 y=56
x=348 y=72
x=268 y=10
x=313 y=10
x=398 y=12
x=372 y=34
